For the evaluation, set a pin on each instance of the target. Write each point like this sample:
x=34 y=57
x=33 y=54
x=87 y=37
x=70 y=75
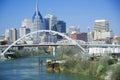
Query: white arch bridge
x=39 y=31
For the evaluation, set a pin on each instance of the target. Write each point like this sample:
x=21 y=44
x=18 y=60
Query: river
x=30 y=69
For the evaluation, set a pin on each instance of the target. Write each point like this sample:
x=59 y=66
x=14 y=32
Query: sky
x=79 y=13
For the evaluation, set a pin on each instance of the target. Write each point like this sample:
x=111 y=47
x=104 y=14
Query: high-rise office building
x=101 y=25
x=38 y=24
x=25 y=28
x=11 y=35
x=60 y=26
x=101 y=30
x=27 y=23
x=50 y=21
x=7 y=34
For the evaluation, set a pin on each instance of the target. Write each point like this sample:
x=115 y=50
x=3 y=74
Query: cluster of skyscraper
x=50 y=22
x=100 y=34
x=101 y=30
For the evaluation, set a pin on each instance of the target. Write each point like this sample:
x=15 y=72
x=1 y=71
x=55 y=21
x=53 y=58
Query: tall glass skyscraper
x=38 y=24
x=26 y=27
x=50 y=21
x=60 y=26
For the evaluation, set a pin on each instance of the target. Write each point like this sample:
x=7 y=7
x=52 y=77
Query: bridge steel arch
x=50 y=31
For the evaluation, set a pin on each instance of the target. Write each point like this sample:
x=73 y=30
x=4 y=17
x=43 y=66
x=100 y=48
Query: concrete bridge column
x=20 y=48
x=54 y=51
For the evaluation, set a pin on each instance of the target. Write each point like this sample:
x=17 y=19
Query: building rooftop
x=102 y=20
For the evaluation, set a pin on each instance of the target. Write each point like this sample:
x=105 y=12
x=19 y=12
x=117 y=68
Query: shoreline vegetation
x=94 y=67
x=76 y=63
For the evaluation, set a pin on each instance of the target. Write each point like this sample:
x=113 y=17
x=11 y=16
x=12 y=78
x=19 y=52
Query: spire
x=37 y=7
x=37 y=13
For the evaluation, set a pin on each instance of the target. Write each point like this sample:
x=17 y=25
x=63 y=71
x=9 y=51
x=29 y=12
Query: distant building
x=90 y=36
x=50 y=21
x=82 y=36
x=101 y=31
x=11 y=35
x=74 y=35
x=79 y=36
x=25 y=28
x=102 y=35
x=116 y=40
x=7 y=34
x=49 y=38
x=60 y=26
x=71 y=29
x=24 y=31
x=38 y=24
x=28 y=23
x=101 y=25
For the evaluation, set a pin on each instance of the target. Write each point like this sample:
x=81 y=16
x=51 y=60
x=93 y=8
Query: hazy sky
x=80 y=13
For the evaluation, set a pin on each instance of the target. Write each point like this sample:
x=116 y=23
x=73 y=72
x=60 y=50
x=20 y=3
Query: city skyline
x=80 y=13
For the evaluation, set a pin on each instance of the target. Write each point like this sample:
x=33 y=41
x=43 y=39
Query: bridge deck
x=35 y=45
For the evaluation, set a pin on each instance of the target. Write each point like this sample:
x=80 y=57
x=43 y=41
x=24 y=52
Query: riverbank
x=78 y=63
x=82 y=67
x=91 y=68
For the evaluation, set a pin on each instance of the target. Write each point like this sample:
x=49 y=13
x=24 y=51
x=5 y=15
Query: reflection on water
x=30 y=69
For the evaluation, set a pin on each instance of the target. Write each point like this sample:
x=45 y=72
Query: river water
x=30 y=69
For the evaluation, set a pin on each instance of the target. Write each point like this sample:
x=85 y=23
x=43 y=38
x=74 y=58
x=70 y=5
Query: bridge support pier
x=20 y=48
x=54 y=51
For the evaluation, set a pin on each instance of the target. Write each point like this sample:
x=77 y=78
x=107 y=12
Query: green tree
x=3 y=42
x=116 y=72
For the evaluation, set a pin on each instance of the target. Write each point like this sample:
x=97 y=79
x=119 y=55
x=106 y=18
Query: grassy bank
x=93 y=68
x=76 y=63
x=81 y=66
